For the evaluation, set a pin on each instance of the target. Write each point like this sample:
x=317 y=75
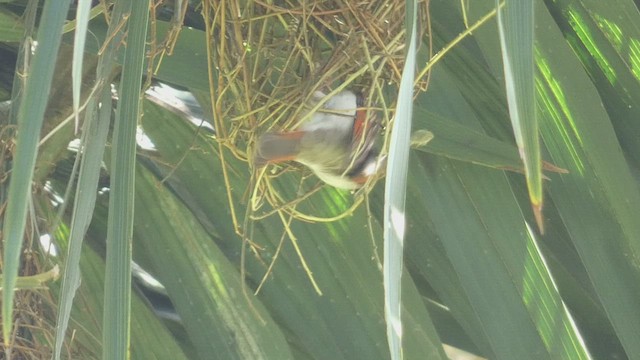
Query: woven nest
x=271 y=58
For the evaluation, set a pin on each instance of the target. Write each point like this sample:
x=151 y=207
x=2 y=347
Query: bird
x=336 y=143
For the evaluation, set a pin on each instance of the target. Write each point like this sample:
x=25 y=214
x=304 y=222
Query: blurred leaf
x=184 y=68
x=231 y=324
x=11 y=27
x=150 y=338
x=590 y=151
x=605 y=37
x=461 y=199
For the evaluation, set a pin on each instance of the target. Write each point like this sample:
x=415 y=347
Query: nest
x=272 y=56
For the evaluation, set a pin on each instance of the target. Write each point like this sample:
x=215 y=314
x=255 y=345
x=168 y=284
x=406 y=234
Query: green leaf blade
x=395 y=189
x=30 y=118
x=118 y=265
x=516 y=25
x=80 y=37
x=97 y=129
x=227 y=322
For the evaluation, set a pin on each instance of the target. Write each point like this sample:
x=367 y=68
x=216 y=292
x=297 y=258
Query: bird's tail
x=277 y=147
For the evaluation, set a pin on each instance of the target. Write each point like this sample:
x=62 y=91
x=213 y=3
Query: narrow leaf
x=93 y=142
x=121 y=202
x=30 y=118
x=395 y=189
x=461 y=142
x=92 y=150
x=82 y=20
x=515 y=22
